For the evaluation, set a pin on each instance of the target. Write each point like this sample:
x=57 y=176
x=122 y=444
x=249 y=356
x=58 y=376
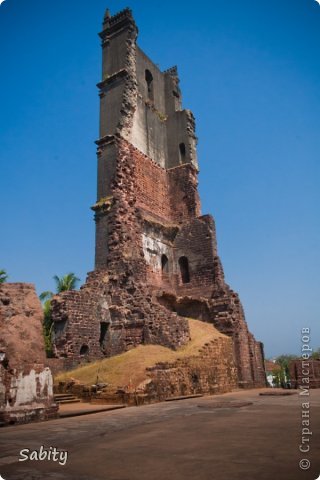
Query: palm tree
x=284 y=374
x=66 y=283
x=63 y=284
x=3 y=276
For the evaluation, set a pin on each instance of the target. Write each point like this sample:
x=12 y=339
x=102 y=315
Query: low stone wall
x=305 y=373
x=212 y=371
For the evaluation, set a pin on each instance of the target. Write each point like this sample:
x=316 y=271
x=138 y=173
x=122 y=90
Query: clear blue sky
x=250 y=71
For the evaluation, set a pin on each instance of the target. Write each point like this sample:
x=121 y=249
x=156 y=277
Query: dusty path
x=208 y=438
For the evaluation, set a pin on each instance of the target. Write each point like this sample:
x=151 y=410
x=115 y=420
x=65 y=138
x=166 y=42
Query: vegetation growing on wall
x=3 y=276
x=63 y=284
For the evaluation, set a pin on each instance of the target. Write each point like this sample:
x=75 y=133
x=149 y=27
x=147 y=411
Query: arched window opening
x=182 y=153
x=84 y=350
x=149 y=80
x=103 y=332
x=184 y=269
x=164 y=264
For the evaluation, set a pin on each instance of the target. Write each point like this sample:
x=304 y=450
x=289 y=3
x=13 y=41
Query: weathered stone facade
x=25 y=382
x=156 y=255
x=211 y=371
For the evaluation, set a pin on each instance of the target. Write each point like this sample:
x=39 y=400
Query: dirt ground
x=239 y=435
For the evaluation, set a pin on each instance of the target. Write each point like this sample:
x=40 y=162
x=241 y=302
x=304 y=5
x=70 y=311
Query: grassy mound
x=129 y=368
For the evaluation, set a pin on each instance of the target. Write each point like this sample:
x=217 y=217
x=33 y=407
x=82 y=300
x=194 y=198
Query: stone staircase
x=65 y=398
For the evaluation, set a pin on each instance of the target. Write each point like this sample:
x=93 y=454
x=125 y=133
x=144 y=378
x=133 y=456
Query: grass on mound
x=129 y=368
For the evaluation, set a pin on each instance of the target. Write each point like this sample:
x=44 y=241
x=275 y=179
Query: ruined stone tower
x=156 y=260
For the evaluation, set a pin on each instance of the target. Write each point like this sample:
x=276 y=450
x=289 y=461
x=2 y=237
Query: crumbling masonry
x=156 y=256
x=26 y=385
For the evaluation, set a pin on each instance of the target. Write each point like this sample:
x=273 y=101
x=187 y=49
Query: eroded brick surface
x=212 y=371
x=25 y=380
x=305 y=374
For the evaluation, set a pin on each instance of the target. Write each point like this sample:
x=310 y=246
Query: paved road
x=209 y=438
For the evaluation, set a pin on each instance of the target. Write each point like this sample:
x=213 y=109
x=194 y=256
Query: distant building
x=272 y=372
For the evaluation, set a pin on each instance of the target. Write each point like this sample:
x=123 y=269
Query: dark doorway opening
x=104 y=327
x=164 y=264
x=184 y=269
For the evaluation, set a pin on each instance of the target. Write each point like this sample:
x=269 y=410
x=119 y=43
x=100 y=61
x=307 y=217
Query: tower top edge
x=114 y=23
x=117 y=17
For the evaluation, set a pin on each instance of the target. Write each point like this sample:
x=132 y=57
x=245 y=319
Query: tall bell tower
x=140 y=104
x=156 y=258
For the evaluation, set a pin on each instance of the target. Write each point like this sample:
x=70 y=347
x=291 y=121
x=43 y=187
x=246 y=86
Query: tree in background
x=66 y=283
x=283 y=377
x=3 y=276
x=63 y=284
